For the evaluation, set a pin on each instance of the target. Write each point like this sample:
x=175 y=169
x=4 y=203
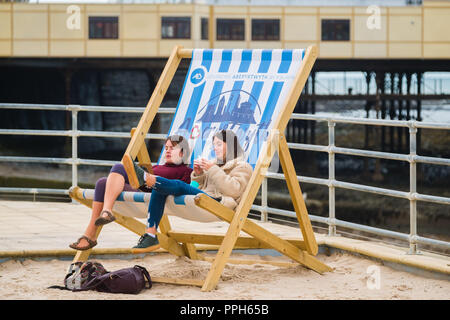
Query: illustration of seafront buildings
x=228 y=111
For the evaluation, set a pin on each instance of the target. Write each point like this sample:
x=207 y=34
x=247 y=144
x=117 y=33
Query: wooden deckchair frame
x=181 y=244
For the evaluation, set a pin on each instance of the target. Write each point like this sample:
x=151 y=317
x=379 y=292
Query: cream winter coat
x=228 y=181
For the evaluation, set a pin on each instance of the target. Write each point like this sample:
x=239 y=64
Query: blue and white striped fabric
x=241 y=90
x=135 y=204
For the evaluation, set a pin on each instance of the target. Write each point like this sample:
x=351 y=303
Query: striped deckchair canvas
x=253 y=93
x=241 y=90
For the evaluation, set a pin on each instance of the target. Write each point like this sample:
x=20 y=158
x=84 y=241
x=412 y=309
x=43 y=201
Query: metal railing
x=412 y=158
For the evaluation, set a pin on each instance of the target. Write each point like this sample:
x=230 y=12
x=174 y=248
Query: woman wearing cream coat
x=223 y=179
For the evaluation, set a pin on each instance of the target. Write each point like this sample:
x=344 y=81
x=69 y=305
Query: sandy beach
x=352 y=278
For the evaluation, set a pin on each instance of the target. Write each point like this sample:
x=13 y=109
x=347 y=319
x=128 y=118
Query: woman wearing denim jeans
x=223 y=179
x=107 y=189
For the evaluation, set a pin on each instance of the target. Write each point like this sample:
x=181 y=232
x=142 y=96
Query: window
x=230 y=29
x=204 y=23
x=175 y=27
x=266 y=29
x=335 y=30
x=103 y=27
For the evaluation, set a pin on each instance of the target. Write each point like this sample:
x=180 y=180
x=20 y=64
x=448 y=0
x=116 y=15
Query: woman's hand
x=150 y=180
x=206 y=164
x=197 y=168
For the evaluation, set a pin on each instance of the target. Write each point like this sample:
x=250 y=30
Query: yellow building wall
x=405 y=32
x=5 y=30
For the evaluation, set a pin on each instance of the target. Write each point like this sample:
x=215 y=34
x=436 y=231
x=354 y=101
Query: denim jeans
x=163 y=188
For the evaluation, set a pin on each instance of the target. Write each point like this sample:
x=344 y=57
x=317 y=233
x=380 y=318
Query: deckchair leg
x=297 y=197
x=82 y=256
x=222 y=256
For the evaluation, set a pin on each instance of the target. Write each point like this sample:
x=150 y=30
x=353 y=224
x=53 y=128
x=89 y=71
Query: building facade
x=152 y=30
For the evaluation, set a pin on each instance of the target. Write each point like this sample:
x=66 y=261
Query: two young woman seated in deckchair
x=108 y=189
x=223 y=179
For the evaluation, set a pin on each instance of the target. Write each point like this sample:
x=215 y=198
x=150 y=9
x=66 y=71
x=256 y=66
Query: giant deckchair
x=253 y=93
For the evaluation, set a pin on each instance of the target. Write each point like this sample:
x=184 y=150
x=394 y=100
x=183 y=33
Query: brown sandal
x=91 y=244
x=102 y=221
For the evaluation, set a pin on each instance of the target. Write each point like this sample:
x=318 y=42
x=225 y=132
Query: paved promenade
x=47 y=228
x=54 y=225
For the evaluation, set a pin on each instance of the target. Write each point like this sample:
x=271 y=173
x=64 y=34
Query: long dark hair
x=234 y=148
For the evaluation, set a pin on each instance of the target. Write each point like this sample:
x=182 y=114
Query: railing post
x=412 y=189
x=74 y=146
x=264 y=215
x=331 y=177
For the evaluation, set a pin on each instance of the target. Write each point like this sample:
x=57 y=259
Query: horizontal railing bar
x=280 y=176
x=34 y=190
x=428 y=198
x=93 y=162
x=56 y=107
x=113 y=134
x=431 y=125
x=350 y=151
x=307 y=147
x=373 y=230
x=288 y=213
x=29 y=132
x=431 y=160
x=344 y=185
x=27 y=106
x=376 y=122
x=68 y=161
x=36 y=159
x=430 y=241
x=370 y=153
x=69 y=133
x=376 y=190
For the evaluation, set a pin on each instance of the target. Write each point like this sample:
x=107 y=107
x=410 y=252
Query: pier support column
x=419 y=108
x=400 y=130
x=313 y=107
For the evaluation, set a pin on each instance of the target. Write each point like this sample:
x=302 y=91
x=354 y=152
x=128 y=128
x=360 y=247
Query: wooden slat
x=297 y=197
x=143 y=156
x=216 y=239
x=191 y=251
x=263 y=235
x=283 y=264
x=185 y=282
x=130 y=223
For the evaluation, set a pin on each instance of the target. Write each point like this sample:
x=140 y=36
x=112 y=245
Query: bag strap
x=95 y=282
x=146 y=275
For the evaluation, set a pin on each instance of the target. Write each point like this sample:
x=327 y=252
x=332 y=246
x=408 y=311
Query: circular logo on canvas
x=198 y=76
